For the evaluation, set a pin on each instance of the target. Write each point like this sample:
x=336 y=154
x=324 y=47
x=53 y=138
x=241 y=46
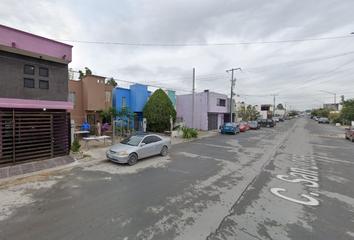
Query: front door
x=136 y=123
x=91 y=122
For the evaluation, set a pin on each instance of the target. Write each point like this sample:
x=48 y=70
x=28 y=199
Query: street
x=293 y=181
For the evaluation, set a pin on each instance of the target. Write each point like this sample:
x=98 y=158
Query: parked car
x=138 y=146
x=254 y=125
x=230 y=127
x=323 y=120
x=349 y=134
x=244 y=126
x=266 y=122
x=276 y=119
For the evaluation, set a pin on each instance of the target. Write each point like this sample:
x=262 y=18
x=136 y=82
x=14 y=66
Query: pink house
x=34 y=107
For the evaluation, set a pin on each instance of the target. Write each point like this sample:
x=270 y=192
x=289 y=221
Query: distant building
x=34 y=106
x=210 y=110
x=88 y=97
x=135 y=97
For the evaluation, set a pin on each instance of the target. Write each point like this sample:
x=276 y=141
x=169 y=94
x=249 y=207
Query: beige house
x=88 y=96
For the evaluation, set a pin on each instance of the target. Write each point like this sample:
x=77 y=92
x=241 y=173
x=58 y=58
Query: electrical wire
x=202 y=44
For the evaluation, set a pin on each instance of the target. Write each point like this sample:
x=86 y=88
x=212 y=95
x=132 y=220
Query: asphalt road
x=293 y=181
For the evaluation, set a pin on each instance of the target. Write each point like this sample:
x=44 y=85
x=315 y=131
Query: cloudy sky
x=295 y=49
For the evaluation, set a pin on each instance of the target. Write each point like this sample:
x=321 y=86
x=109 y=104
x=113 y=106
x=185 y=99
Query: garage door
x=212 y=121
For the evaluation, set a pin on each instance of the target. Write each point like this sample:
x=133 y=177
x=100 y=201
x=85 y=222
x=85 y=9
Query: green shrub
x=76 y=145
x=189 y=133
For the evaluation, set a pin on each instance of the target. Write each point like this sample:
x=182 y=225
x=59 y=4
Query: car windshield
x=132 y=140
x=252 y=122
x=228 y=124
x=242 y=124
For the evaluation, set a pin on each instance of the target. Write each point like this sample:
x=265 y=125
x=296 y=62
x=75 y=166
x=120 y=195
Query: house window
x=123 y=101
x=43 y=84
x=29 y=83
x=44 y=72
x=221 y=102
x=72 y=98
x=29 y=69
x=108 y=96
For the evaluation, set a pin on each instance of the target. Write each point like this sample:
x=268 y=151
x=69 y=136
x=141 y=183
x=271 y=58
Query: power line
x=201 y=44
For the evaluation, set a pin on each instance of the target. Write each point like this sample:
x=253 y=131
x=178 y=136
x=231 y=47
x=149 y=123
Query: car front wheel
x=133 y=159
x=164 y=151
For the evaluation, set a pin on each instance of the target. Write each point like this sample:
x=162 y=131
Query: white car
x=138 y=146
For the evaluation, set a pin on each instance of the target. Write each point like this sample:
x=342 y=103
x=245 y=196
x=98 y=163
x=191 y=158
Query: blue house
x=135 y=97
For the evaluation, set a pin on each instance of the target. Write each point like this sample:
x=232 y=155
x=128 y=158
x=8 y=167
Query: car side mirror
x=142 y=144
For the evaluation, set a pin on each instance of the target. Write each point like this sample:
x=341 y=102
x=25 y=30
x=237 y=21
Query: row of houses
x=38 y=103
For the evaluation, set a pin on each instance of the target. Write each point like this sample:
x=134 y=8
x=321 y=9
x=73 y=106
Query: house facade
x=135 y=97
x=88 y=97
x=34 y=107
x=210 y=110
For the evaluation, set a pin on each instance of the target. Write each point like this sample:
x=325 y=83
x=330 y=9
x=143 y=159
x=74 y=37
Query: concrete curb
x=8 y=180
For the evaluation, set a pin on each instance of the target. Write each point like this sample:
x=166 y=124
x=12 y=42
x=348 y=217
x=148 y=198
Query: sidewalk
x=95 y=153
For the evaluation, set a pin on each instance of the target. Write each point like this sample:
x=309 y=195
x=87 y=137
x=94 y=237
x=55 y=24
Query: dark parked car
x=230 y=127
x=266 y=122
x=349 y=134
x=254 y=125
x=323 y=120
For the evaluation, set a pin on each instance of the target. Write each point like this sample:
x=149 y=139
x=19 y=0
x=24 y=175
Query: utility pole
x=274 y=103
x=285 y=106
x=233 y=81
x=193 y=89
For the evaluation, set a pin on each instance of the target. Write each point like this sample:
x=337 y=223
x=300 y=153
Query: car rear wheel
x=133 y=159
x=346 y=137
x=222 y=132
x=164 y=151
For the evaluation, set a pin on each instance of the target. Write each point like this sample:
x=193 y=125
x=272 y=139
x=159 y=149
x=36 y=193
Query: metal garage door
x=28 y=136
x=212 y=121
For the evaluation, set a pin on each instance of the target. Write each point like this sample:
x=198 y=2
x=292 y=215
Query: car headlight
x=121 y=153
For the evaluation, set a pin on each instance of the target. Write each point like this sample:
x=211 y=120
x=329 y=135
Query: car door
x=146 y=149
x=157 y=145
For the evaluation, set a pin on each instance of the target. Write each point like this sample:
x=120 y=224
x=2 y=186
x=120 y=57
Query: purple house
x=210 y=109
x=34 y=107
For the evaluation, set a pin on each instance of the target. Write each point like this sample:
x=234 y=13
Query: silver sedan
x=138 y=146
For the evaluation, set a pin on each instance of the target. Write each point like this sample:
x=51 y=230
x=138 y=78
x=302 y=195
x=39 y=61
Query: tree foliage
x=280 y=106
x=123 y=113
x=158 y=110
x=324 y=113
x=293 y=113
x=112 y=82
x=87 y=72
x=347 y=112
x=248 y=114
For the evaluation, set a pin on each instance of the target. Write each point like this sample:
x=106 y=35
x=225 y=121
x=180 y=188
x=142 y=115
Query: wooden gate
x=28 y=136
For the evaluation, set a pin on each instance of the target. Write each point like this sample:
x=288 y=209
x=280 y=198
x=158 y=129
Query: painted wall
x=204 y=103
x=139 y=97
x=19 y=42
x=12 y=78
x=172 y=96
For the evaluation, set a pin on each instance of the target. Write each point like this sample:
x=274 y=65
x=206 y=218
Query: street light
x=334 y=106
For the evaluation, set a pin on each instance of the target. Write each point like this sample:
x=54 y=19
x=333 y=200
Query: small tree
x=75 y=147
x=123 y=113
x=112 y=82
x=158 y=110
x=280 y=106
x=347 y=112
x=248 y=114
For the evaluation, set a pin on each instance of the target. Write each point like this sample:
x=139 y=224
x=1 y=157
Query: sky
x=300 y=52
